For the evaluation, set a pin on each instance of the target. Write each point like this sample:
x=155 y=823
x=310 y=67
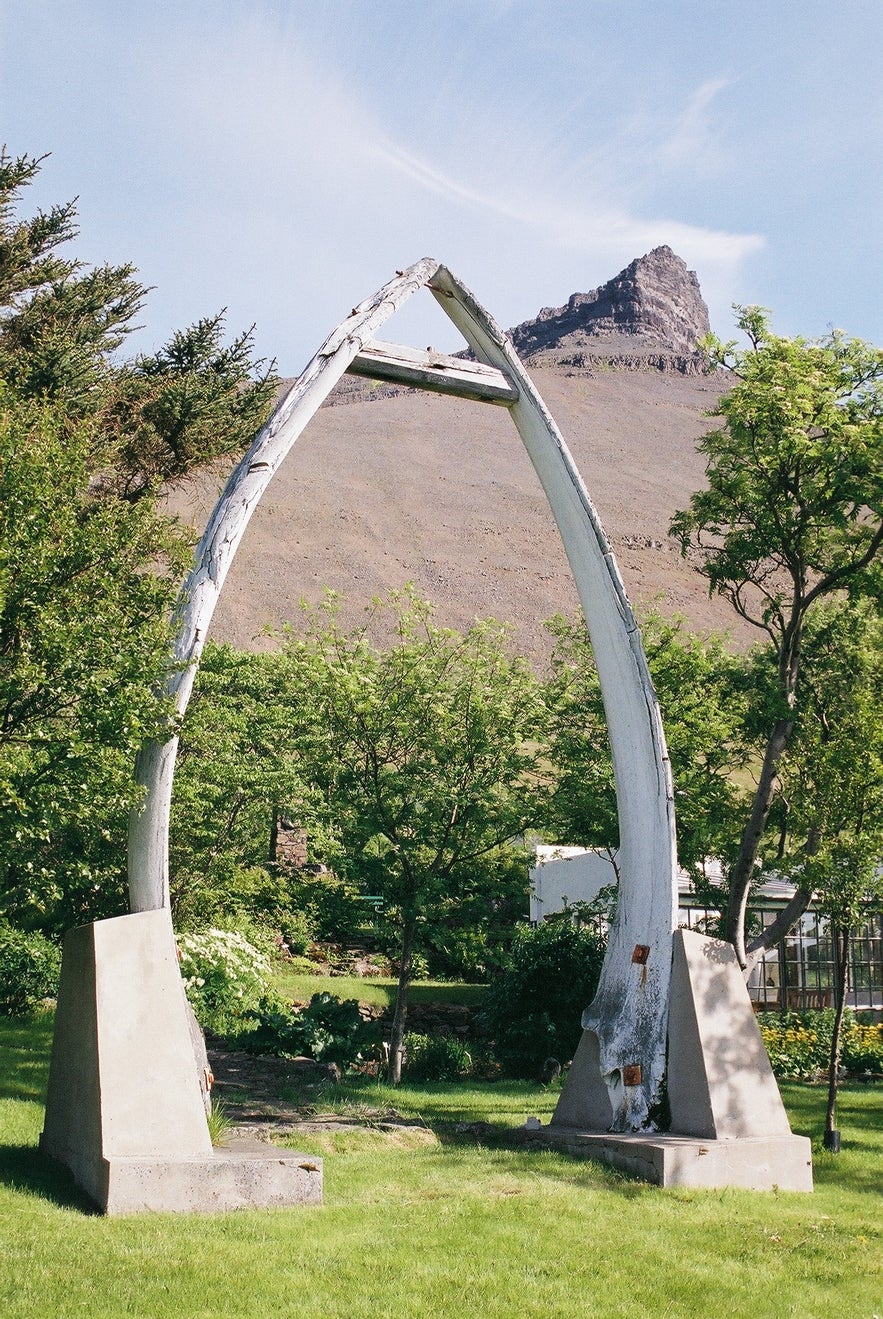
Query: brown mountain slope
x=440 y=492
x=399 y=486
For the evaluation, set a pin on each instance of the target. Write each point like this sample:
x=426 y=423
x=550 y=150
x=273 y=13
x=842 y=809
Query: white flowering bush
x=226 y=978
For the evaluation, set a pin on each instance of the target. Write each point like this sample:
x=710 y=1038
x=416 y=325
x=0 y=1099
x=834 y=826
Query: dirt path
x=274 y=1098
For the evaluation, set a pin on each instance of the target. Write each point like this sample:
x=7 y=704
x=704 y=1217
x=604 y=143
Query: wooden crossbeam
x=434 y=371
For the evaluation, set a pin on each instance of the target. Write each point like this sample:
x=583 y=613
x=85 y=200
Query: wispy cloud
x=279 y=156
x=691 y=141
x=586 y=226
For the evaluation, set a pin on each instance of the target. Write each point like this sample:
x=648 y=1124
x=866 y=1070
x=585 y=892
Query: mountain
x=651 y=314
x=402 y=486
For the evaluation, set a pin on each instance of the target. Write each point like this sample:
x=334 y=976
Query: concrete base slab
x=247 y=1175
x=755 y=1163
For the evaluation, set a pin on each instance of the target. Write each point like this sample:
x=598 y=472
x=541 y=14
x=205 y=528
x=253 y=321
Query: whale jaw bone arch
x=626 y=1023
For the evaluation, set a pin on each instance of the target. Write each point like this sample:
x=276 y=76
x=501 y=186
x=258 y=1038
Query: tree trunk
x=400 y=1016
x=841 y=969
x=743 y=871
x=776 y=931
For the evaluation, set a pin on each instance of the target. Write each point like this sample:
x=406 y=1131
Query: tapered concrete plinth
x=124 y=1110
x=728 y=1124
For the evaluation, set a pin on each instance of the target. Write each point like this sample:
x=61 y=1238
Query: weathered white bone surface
x=629 y=1014
x=630 y=1011
x=434 y=371
x=155 y=766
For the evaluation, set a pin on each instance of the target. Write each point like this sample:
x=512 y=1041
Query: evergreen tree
x=88 y=566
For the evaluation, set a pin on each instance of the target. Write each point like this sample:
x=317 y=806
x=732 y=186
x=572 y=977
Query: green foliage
x=698 y=687
x=424 y=747
x=61 y=322
x=219 y=1122
x=799 y=1043
x=61 y=328
x=301 y=966
x=334 y=1030
x=29 y=970
x=435 y=1057
x=467 y=937
x=196 y=400
x=329 y=1029
x=298 y=933
x=226 y=979
x=83 y=634
x=427 y=753
x=831 y=810
x=535 y=1005
x=237 y=765
x=792 y=515
x=794 y=505
x=88 y=566
x=332 y=906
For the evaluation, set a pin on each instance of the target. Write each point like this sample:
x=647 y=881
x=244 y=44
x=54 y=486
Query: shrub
x=333 y=1030
x=436 y=1057
x=333 y=908
x=799 y=1043
x=534 y=1007
x=265 y=938
x=329 y=1029
x=863 y=1051
x=302 y=966
x=297 y=931
x=226 y=978
x=457 y=954
x=29 y=970
x=485 y=1063
x=794 y=1049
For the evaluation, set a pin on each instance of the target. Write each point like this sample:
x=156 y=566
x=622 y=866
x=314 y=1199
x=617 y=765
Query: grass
x=378 y=991
x=441 y=1223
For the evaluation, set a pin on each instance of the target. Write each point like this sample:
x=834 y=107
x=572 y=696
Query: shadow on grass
x=507 y=1152
x=455 y=1113
x=25 y=1044
x=860 y=1120
x=24 y=1168
x=486 y=1117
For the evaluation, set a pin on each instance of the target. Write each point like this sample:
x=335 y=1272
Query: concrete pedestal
x=755 y=1163
x=124 y=1110
x=728 y=1124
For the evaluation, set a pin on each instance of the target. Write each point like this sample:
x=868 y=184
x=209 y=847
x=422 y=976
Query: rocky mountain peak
x=653 y=309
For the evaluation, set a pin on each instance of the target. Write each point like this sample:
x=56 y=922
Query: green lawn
x=432 y=1223
x=377 y=991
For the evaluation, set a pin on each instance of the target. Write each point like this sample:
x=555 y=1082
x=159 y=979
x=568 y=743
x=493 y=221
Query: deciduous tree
x=792 y=515
x=430 y=754
x=696 y=681
x=238 y=766
x=832 y=787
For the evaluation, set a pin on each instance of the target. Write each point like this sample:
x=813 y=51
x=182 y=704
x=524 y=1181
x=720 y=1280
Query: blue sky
x=282 y=158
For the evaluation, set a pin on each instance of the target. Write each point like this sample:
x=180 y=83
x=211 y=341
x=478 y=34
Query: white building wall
x=564 y=875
